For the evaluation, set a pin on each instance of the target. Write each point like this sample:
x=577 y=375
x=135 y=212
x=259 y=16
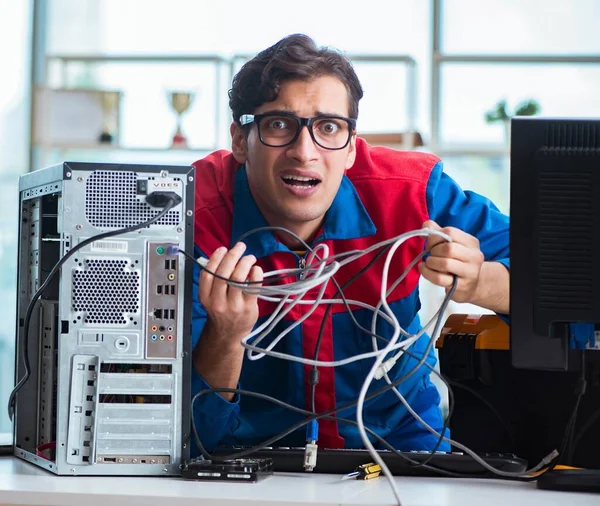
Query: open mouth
x=300 y=182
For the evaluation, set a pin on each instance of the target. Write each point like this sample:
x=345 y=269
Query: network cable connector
x=103 y=359
x=384 y=368
x=311 y=448
x=310 y=456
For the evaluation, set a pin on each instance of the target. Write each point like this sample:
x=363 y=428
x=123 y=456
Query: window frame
x=439 y=58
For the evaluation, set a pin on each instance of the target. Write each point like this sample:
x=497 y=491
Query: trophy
x=181 y=102
x=110 y=108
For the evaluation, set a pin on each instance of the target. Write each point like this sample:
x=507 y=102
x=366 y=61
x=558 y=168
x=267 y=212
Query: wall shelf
x=58 y=73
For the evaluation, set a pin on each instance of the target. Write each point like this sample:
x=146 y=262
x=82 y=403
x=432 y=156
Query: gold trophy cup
x=110 y=108
x=181 y=102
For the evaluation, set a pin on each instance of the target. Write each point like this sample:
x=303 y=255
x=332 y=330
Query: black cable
x=271 y=279
x=407 y=375
x=303 y=244
x=368 y=332
x=327 y=416
x=570 y=442
x=313 y=416
x=333 y=411
x=434 y=333
x=566 y=436
x=300 y=424
x=581 y=387
x=440 y=439
x=586 y=426
x=339 y=291
x=314 y=376
x=580 y=391
x=354 y=321
x=172 y=200
x=270 y=228
x=313 y=380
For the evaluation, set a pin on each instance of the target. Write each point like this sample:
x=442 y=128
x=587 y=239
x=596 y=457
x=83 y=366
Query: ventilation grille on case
x=106 y=292
x=111 y=201
x=572 y=135
x=565 y=239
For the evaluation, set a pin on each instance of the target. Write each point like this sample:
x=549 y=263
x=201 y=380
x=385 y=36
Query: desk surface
x=24 y=484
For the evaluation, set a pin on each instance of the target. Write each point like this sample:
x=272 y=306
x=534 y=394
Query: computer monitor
x=554 y=241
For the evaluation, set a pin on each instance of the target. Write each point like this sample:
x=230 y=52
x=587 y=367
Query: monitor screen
x=554 y=241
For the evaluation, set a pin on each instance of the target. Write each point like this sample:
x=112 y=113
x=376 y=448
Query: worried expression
x=294 y=185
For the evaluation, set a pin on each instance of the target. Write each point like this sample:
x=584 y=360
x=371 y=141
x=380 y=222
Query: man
x=297 y=163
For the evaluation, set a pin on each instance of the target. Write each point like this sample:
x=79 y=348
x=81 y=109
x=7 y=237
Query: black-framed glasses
x=279 y=129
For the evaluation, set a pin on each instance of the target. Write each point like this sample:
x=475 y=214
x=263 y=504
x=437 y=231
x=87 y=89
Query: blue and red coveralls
x=384 y=194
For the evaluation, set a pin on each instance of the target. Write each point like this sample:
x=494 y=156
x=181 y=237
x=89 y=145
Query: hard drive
x=241 y=470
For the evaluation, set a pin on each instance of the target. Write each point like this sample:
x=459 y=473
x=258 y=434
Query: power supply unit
x=105 y=349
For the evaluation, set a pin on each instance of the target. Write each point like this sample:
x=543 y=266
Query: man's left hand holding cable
x=482 y=283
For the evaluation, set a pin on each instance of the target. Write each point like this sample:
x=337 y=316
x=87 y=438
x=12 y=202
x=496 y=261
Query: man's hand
x=485 y=284
x=461 y=257
x=232 y=314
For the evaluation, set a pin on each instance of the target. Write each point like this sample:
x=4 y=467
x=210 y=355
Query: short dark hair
x=295 y=57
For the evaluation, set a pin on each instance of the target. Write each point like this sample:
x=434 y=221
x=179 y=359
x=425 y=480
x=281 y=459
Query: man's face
x=277 y=174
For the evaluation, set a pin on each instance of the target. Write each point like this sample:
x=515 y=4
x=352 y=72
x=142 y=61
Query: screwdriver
x=364 y=472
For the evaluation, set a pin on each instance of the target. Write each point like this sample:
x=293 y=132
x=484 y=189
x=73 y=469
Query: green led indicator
x=160 y=250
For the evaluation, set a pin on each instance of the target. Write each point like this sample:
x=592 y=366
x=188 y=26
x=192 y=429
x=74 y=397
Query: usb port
x=167 y=265
x=159 y=289
x=173 y=264
x=171 y=314
x=167 y=289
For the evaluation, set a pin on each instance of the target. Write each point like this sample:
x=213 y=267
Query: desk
x=24 y=484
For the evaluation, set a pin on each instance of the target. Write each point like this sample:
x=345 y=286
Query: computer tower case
x=108 y=342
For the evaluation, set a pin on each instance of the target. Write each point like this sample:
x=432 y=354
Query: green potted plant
x=500 y=112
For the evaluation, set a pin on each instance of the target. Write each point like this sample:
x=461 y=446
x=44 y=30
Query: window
x=469 y=90
x=540 y=27
x=15 y=33
x=188 y=27
x=514 y=51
